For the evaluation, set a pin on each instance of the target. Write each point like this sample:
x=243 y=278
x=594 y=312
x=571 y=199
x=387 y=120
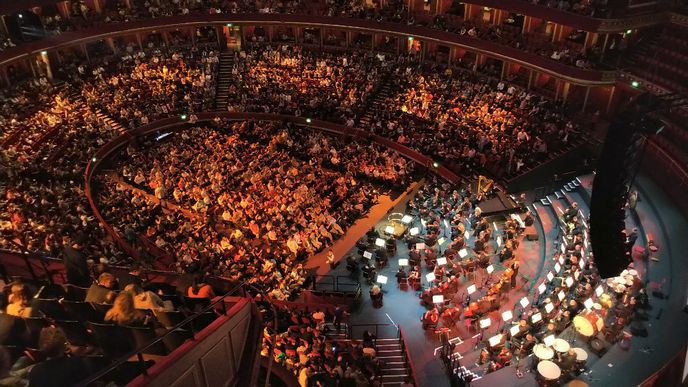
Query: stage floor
x=656 y=215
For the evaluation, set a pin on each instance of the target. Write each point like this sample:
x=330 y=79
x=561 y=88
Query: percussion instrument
x=606 y=300
x=548 y=370
x=561 y=345
x=542 y=352
x=588 y=323
x=581 y=357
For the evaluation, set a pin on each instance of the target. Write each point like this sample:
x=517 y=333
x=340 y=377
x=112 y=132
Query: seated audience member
x=20 y=301
x=102 y=291
x=145 y=299
x=124 y=313
x=6 y=378
x=200 y=289
x=57 y=369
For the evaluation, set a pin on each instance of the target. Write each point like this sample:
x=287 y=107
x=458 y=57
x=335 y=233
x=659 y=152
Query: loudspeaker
x=532 y=237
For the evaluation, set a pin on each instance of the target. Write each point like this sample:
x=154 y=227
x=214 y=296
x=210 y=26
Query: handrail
x=493 y=49
x=335 y=284
x=138 y=352
x=176 y=123
x=407 y=357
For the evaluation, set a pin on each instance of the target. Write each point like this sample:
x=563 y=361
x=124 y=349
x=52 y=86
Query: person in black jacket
x=58 y=369
x=75 y=264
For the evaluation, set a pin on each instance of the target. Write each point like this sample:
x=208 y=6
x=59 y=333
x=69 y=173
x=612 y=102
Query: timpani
x=561 y=346
x=581 y=357
x=549 y=372
x=543 y=352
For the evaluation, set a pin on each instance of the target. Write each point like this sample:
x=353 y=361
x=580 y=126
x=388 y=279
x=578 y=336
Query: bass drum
x=588 y=323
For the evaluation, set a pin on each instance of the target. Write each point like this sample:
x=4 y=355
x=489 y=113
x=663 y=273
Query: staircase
x=224 y=77
x=393 y=369
x=104 y=117
x=376 y=101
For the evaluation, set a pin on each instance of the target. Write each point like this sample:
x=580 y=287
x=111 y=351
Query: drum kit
x=588 y=323
x=549 y=372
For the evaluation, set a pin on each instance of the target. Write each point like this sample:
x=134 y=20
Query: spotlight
x=410 y=38
x=629 y=32
x=435 y=164
x=183 y=117
x=229 y=24
x=635 y=84
x=308 y=120
x=94 y=159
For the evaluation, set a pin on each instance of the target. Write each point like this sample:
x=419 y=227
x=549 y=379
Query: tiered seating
x=666 y=60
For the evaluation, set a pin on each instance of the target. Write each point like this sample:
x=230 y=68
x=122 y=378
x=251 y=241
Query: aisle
x=317 y=264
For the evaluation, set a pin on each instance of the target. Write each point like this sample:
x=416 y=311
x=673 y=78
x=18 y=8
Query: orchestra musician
x=430 y=318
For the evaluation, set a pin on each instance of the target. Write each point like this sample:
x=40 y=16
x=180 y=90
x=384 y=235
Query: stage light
x=561 y=295
x=542 y=288
x=441 y=261
x=44 y=52
x=569 y=281
x=435 y=164
x=508 y=315
x=380 y=242
x=524 y=302
x=403 y=262
x=21 y=16
x=599 y=290
x=536 y=318
x=514 y=330
x=490 y=269
x=414 y=231
x=485 y=323
x=438 y=299
x=368 y=255
x=471 y=289
x=381 y=279
x=629 y=32
x=389 y=229
x=183 y=117
x=229 y=24
x=94 y=159
x=635 y=84
x=463 y=253
x=549 y=307
x=588 y=303
x=430 y=277
x=410 y=38
x=406 y=219
x=549 y=340
x=495 y=340
x=308 y=120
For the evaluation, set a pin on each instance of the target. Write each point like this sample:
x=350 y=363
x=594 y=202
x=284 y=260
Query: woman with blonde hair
x=124 y=313
x=20 y=301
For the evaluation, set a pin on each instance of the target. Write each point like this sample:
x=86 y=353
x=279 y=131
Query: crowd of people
x=116 y=12
x=254 y=204
x=469 y=121
x=145 y=87
x=303 y=343
x=292 y=81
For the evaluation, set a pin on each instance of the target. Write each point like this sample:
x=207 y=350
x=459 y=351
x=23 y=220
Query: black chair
x=13 y=331
x=170 y=319
x=196 y=304
x=173 y=298
x=50 y=307
x=144 y=336
x=34 y=325
x=82 y=311
x=101 y=308
x=76 y=333
x=114 y=340
x=75 y=293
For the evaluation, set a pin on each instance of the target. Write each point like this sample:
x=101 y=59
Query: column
x=611 y=98
x=85 y=51
x=348 y=38
x=45 y=60
x=565 y=92
x=530 y=78
x=139 y=41
x=585 y=100
x=501 y=77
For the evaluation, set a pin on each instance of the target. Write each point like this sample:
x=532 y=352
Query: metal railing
x=336 y=283
x=138 y=353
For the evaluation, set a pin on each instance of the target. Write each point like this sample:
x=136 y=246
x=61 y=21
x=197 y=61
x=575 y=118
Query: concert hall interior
x=358 y=193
